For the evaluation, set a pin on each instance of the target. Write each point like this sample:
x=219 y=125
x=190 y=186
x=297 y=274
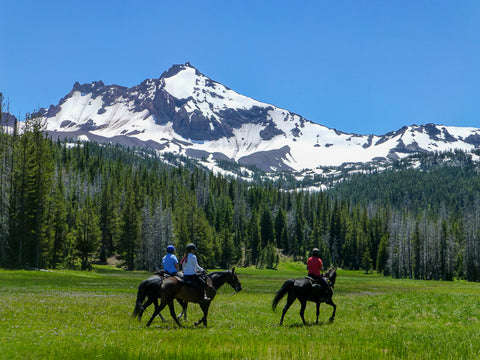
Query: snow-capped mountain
x=187 y=113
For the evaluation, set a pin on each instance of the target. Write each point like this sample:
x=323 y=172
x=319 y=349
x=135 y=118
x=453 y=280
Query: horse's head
x=233 y=281
x=331 y=276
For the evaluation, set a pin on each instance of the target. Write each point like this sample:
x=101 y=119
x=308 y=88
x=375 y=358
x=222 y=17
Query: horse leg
x=331 y=303
x=318 y=310
x=156 y=312
x=144 y=307
x=155 y=302
x=302 y=309
x=204 y=305
x=172 y=312
x=289 y=303
x=184 y=310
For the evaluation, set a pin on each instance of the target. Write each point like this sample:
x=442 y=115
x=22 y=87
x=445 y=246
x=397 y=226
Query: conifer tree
x=382 y=256
x=109 y=217
x=130 y=230
x=58 y=225
x=5 y=177
x=87 y=232
x=32 y=179
x=281 y=230
x=267 y=231
x=254 y=240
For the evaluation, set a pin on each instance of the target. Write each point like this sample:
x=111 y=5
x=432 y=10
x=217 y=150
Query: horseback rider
x=315 y=267
x=170 y=262
x=192 y=272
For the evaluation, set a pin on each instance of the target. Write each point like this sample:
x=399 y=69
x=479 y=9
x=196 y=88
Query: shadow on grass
x=300 y=325
x=170 y=327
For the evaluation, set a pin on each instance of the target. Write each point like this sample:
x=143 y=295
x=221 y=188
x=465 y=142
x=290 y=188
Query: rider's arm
x=195 y=264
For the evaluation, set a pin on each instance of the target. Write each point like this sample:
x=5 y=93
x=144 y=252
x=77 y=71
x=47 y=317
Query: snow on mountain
x=187 y=113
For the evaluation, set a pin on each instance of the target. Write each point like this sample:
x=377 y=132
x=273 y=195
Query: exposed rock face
x=8 y=119
x=268 y=160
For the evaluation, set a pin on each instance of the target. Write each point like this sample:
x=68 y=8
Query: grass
x=86 y=315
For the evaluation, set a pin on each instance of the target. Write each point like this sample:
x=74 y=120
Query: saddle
x=314 y=280
x=203 y=282
x=165 y=275
x=317 y=282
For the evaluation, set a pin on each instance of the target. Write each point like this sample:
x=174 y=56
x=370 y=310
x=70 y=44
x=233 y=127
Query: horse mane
x=215 y=276
x=218 y=272
x=221 y=272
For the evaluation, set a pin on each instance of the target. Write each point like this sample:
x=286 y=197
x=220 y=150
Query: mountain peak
x=188 y=113
x=175 y=69
x=88 y=87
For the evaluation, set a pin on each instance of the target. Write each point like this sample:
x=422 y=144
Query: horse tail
x=287 y=285
x=141 y=294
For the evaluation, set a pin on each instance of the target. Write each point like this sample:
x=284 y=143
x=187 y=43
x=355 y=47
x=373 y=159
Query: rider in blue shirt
x=170 y=261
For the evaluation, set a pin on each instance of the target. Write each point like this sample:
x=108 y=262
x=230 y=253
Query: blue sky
x=366 y=67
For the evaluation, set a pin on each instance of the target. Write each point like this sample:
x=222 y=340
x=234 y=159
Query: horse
x=305 y=290
x=151 y=288
x=218 y=279
x=173 y=288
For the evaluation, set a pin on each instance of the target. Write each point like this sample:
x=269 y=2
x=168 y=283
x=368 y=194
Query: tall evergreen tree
x=281 y=230
x=32 y=181
x=109 y=217
x=5 y=187
x=267 y=231
x=87 y=233
x=130 y=230
x=58 y=225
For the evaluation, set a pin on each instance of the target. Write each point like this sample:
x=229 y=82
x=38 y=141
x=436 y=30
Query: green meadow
x=86 y=315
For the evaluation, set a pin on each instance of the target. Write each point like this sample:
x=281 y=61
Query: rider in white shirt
x=192 y=271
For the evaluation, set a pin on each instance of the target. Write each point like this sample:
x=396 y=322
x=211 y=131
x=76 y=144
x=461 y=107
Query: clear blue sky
x=366 y=67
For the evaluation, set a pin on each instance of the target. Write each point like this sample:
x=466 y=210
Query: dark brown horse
x=150 y=289
x=173 y=288
x=304 y=289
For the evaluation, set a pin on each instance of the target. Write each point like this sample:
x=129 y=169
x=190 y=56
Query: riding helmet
x=315 y=252
x=191 y=246
x=170 y=249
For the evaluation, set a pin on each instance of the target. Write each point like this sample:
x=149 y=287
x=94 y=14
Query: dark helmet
x=191 y=246
x=170 y=249
x=315 y=252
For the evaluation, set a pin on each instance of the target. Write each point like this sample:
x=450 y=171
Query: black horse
x=151 y=288
x=304 y=289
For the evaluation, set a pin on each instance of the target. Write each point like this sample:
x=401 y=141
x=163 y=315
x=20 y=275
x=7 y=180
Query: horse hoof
x=330 y=320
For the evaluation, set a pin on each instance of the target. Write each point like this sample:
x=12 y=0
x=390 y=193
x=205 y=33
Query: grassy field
x=86 y=315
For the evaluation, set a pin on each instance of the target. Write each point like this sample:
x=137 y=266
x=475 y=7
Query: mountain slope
x=441 y=182
x=185 y=112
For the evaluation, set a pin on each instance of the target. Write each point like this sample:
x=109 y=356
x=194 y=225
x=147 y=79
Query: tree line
x=67 y=205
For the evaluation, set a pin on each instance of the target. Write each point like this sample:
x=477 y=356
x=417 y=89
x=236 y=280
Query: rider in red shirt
x=315 y=266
